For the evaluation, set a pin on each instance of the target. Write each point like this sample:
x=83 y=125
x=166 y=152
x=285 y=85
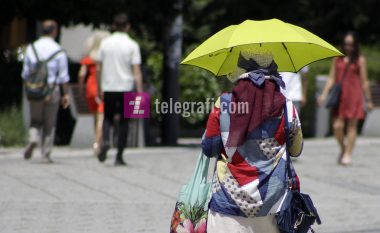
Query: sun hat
x=260 y=55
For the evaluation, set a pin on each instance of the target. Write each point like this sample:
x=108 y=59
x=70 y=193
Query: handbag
x=297 y=213
x=336 y=91
x=191 y=209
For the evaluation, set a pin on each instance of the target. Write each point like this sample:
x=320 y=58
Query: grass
x=12 y=132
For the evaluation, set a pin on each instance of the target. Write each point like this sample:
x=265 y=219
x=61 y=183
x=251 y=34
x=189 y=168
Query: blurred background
x=162 y=27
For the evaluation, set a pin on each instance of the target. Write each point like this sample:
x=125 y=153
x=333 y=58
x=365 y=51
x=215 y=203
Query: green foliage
x=197 y=85
x=193 y=213
x=11 y=127
x=372 y=55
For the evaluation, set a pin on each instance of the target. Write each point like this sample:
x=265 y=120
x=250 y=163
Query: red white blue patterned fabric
x=250 y=179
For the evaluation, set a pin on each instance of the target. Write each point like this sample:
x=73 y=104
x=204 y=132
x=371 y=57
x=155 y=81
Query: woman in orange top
x=88 y=82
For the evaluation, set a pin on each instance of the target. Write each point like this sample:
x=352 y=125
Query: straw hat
x=260 y=55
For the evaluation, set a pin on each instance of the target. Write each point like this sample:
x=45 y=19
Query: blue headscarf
x=257 y=74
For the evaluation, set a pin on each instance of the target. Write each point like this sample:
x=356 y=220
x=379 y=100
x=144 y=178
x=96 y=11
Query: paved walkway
x=77 y=194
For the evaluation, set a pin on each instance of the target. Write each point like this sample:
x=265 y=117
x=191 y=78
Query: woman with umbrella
x=252 y=145
x=249 y=182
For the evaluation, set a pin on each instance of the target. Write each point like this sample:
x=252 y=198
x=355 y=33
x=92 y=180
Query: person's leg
x=98 y=129
x=352 y=127
x=122 y=139
x=109 y=112
x=122 y=131
x=338 y=127
x=35 y=111
x=50 y=112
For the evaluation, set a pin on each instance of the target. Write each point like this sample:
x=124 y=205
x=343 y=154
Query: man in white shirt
x=296 y=87
x=119 y=71
x=43 y=113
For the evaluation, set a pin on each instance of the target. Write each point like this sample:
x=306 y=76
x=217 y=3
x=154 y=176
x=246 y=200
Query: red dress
x=351 y=104
x=92 y=86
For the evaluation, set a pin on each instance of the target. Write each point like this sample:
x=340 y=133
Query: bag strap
x=35 y=52
x=201 y=169
x=56 y=75
x=345 y=72
x=287 y=145
x=53 y=55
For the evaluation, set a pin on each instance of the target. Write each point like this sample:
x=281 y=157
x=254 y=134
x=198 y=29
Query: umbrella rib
x=224 y=62
x=286 y=49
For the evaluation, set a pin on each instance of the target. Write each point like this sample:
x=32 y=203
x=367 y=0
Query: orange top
x=92 y=83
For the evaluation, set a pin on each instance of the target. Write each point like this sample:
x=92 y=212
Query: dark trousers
x=114 y=104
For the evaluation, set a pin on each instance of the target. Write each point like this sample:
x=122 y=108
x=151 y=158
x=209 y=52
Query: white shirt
x=57 y=68
x=118 y=53
x=293 y=84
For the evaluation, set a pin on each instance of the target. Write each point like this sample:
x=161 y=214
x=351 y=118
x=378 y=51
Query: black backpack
x=36 y=82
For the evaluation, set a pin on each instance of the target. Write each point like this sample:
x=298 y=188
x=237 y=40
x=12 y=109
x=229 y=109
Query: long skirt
x=219 y=223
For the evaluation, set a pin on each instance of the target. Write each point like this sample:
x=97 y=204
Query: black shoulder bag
x=336 y=91
x=297 y=213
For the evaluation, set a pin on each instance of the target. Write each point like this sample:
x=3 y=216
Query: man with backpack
x=45 y=74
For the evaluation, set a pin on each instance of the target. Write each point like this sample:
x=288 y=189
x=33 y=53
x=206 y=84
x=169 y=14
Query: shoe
x=346 y=160
x=103 y=153
x=95 y=148
x=120 y=162
x=46 y=160
x=29 y=150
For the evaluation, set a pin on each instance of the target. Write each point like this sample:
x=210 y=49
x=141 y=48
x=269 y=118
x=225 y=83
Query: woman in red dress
x=89 y=83
x=355 y=90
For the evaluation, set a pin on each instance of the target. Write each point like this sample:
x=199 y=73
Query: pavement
x=78 y=194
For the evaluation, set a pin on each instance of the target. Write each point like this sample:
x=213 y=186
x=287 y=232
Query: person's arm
x=136 y=68
x=212 y=144
x=329 y=84
x=63 y=79
x=99 y=66
x=296 y=136
x=26 y=65
x=137 y=75
x=99 y=80
x=304 y=88
x=82 y=78
x=65 y=98
x=365 y=82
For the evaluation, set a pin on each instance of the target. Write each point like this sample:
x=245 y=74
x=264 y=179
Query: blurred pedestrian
x=89 y=83
x=351 y=71
x=296 y=87
x=119 y=69
x=45 y=74
x=250 y=179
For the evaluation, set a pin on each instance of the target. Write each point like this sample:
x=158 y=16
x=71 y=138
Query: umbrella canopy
x=292 y=47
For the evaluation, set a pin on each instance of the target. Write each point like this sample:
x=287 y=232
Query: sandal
x=346 y=160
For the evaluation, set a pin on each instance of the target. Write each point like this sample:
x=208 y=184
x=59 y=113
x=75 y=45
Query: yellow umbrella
x=292 y=47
